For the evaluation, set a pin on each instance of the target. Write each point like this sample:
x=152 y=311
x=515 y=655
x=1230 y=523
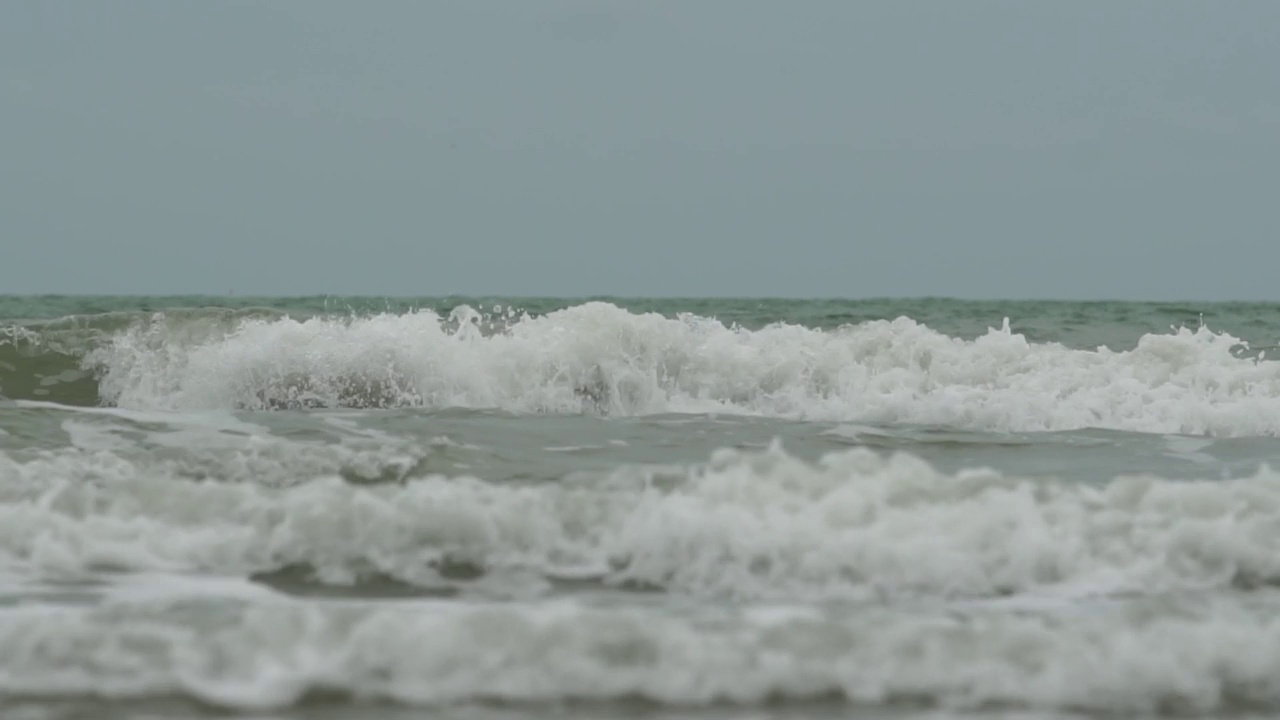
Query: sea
x=489 y=508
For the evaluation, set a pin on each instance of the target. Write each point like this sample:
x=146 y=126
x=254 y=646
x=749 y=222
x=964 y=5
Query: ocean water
x=501 y=507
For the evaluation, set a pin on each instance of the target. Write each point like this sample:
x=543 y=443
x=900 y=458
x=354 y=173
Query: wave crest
x=599 y=358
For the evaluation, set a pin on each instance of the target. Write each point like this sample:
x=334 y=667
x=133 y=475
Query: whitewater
x=482 y=507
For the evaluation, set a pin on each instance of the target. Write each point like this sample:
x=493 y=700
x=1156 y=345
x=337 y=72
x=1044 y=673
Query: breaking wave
x=859 y=579
x=598 y=358
x=266 y=654
x=749 y=526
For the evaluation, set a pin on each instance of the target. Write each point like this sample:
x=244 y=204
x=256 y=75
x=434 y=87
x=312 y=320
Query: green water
x=1077 y=324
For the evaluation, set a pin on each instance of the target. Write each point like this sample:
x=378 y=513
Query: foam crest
x=599 y=358
x=752 y=526
x=264 y=655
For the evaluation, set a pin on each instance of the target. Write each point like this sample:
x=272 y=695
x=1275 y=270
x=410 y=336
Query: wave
x=599 y=358
x=46 y=360
x=262 y=655
x=748 y=526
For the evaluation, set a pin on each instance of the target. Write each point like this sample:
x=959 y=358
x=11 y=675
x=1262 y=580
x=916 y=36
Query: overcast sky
x=1076 y=149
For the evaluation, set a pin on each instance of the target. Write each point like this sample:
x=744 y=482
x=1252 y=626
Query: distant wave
x=598 y=358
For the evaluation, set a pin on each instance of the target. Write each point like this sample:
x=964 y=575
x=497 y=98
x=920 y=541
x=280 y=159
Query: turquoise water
x=358 y=507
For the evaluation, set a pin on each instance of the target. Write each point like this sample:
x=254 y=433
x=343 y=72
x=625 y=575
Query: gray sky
x=684 y=147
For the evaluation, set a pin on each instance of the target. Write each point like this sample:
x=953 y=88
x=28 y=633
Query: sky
x=818 y=148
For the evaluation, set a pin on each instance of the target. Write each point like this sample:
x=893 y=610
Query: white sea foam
x=599 y=358
x=759 y=525
x=264 y=654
